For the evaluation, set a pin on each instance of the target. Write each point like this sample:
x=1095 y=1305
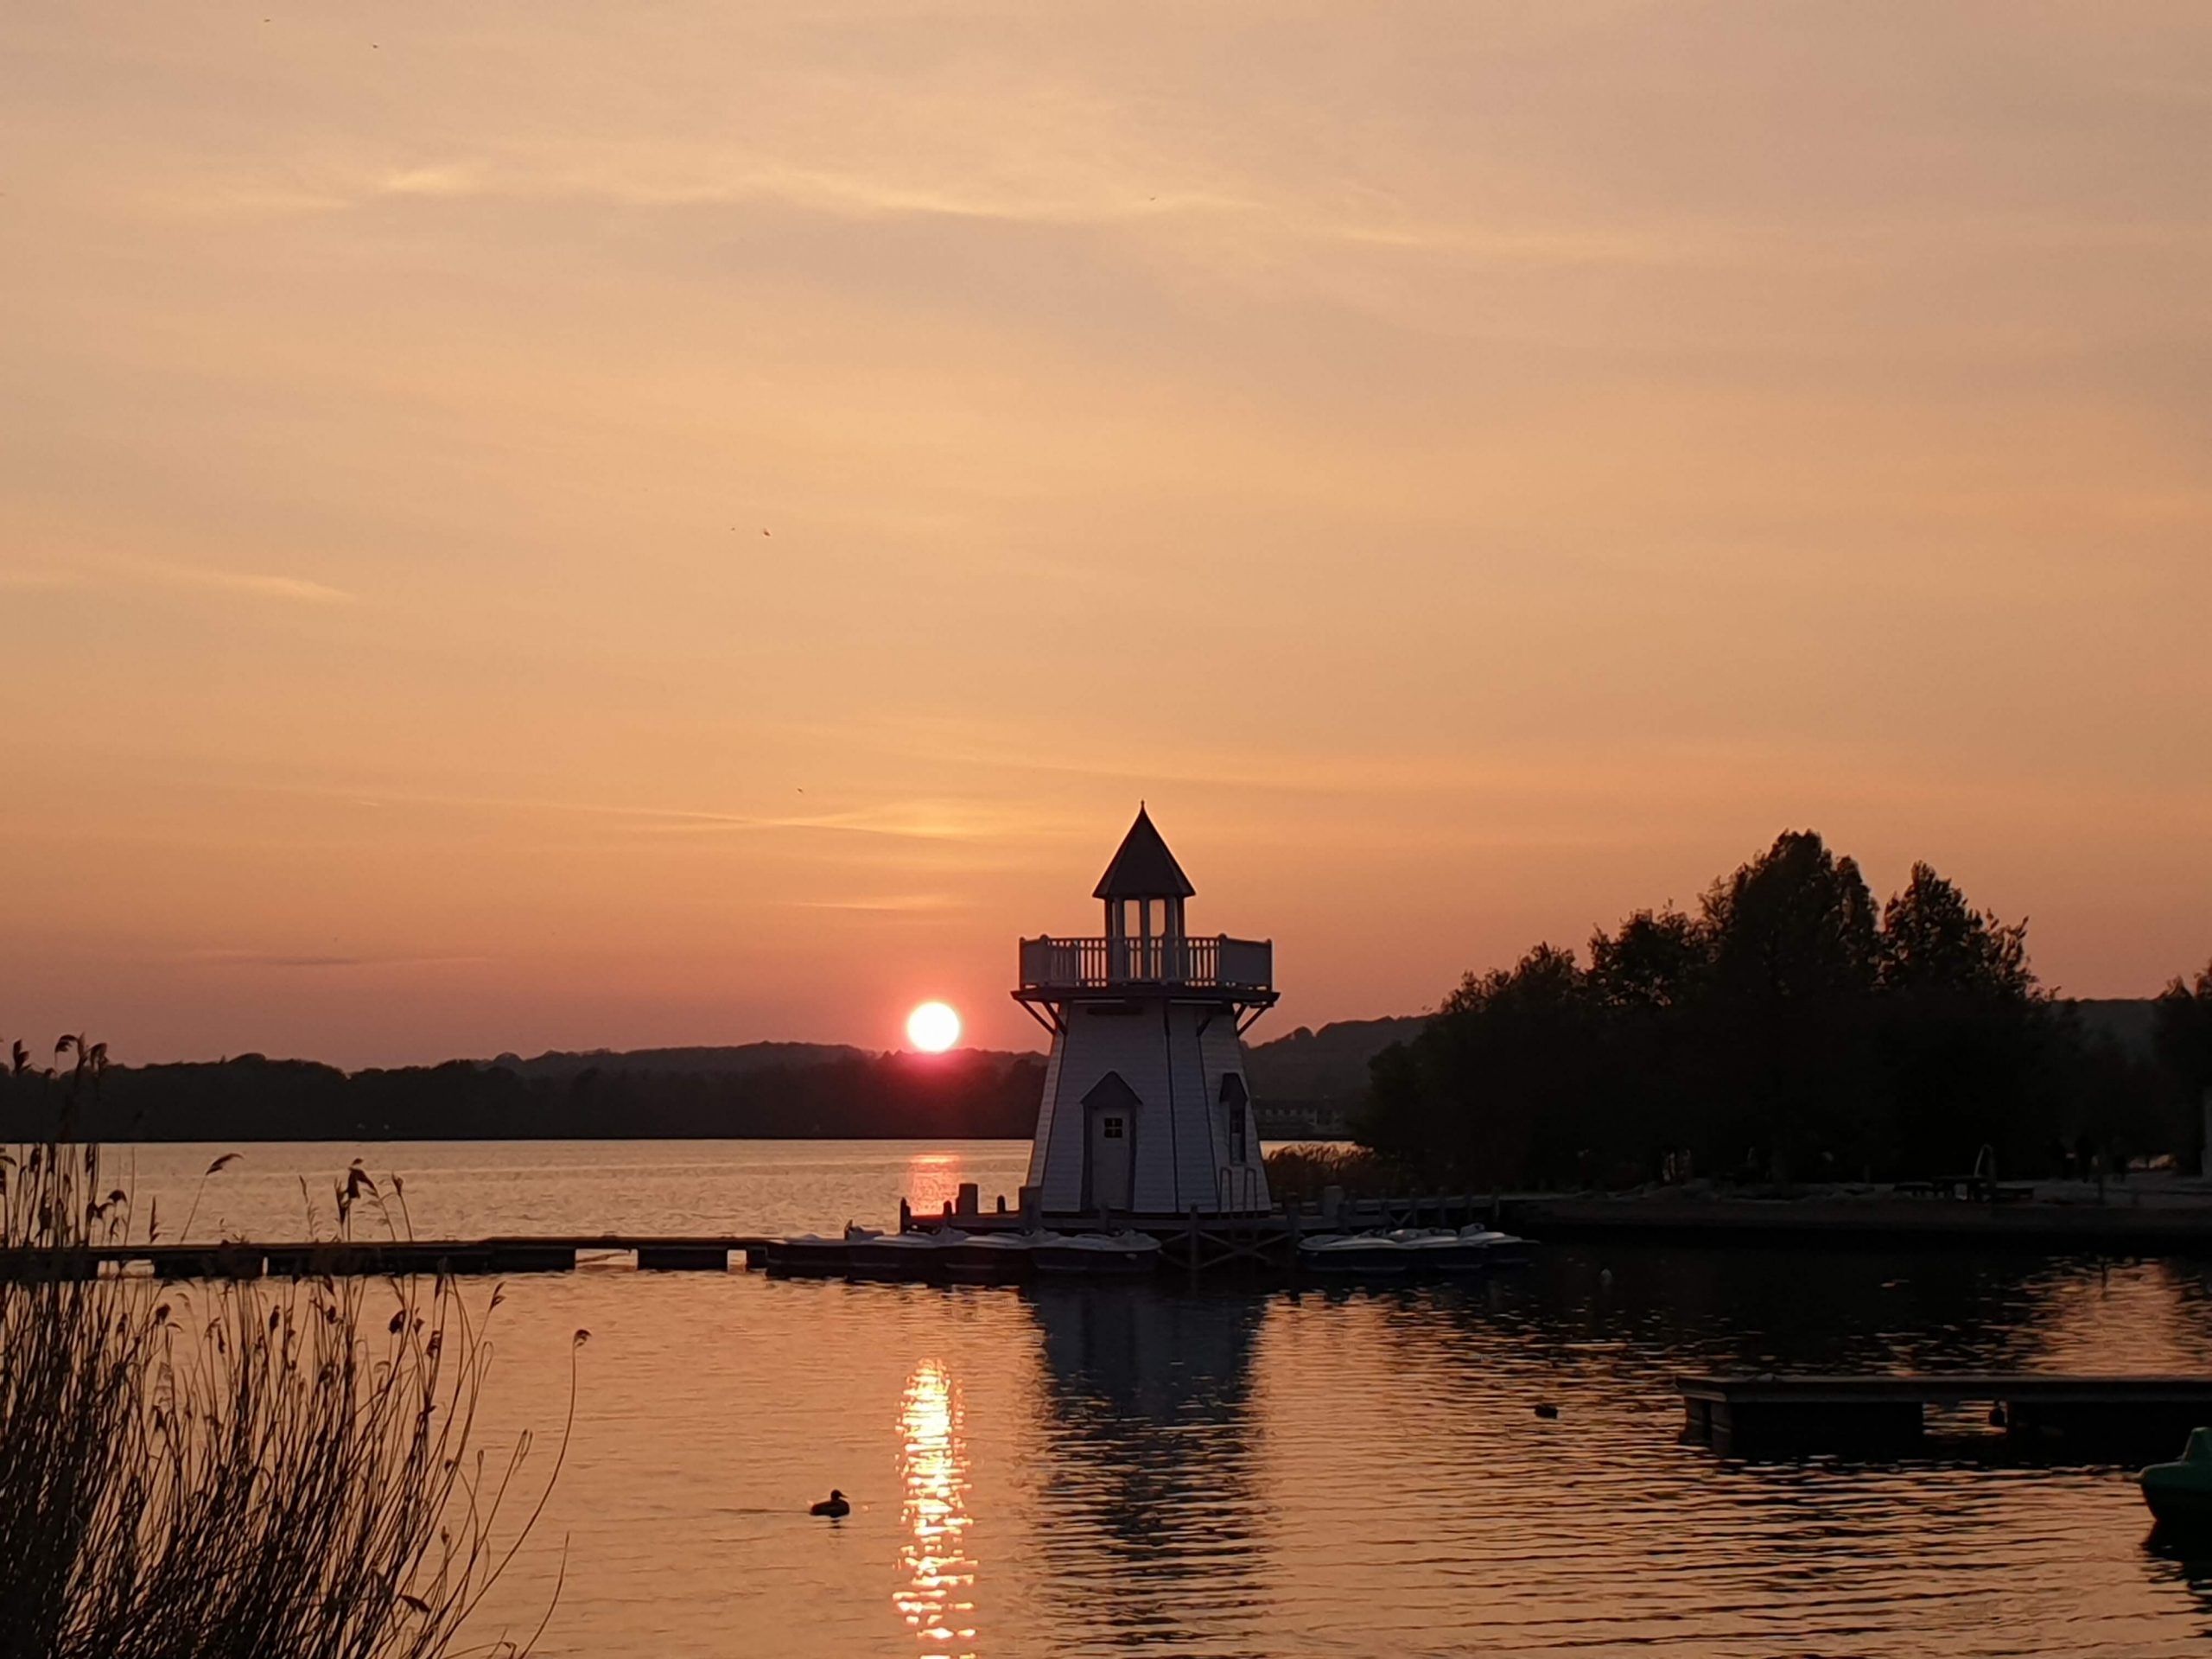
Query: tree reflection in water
x=1148 y=1511
x=935 y=1596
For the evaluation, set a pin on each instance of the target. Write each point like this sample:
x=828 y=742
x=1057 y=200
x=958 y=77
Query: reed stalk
x=276 y=1469
x=1300 y=1173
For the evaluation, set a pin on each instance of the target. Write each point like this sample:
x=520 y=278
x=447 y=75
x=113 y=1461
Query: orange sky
x=1474 y=468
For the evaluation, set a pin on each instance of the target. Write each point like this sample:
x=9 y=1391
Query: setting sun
x=933 y=1027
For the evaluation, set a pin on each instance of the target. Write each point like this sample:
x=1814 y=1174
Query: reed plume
x=1300 y=1173
x=257 y=1469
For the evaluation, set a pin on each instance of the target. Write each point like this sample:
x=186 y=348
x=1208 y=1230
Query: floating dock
x=2032 y=1415
x=1263 y=1242
x=349 y=1258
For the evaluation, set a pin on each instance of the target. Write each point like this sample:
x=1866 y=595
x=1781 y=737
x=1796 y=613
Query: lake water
x=1165 y=1469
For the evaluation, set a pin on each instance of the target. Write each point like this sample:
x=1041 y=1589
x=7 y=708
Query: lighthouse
x=1145 y=1113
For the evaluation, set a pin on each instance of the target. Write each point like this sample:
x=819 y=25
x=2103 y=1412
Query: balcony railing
x=1216 y=963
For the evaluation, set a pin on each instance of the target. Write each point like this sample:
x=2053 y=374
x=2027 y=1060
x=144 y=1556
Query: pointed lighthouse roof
x=1143 y=868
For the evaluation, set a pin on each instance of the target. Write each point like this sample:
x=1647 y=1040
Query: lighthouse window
x=1111 y=1128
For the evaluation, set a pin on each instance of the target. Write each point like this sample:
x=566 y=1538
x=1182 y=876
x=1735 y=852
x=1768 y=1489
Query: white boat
x=991 y=1258
x=903 y=1255
x=1097 y=1254
x=1370 y=1255
x=810 y=1253
x=1439 y=1249
x=1504 y=1249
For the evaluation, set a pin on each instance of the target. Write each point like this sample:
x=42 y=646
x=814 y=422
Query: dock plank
x=360 y=1257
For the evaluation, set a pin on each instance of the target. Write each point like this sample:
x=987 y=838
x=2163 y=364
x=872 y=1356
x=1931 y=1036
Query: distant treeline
x=1787 y=1029
x=1328 y=1066
x=788 y=1095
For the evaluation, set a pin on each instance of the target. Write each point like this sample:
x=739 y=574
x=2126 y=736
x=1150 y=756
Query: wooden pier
x=2034 y=1414
x=1264 y=1241
x=344 y=1258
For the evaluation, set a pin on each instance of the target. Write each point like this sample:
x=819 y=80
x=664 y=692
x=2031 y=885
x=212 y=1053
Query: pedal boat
x=2180 y=1493
x=1370 y=1255
x=1098 y=1255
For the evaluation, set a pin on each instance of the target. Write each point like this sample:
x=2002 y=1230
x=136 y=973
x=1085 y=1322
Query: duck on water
x=833 y=1506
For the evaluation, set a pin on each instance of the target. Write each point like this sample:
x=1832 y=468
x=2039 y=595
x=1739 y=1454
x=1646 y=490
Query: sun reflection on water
x=933 y=1180
x=936 y=1596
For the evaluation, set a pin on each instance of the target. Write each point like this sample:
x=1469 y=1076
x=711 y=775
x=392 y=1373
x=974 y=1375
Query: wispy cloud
x=39 y=581
x=719 y=180
x=448 y=179
x=319 y=962
x=891 y=905
x=899 y=820
x=905 y=819
x=143 y=573
x=256 y=584
x=1029 y=188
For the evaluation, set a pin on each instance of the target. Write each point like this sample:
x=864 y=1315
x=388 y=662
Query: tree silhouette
x=1659 y=959
x=1779 y=1032
x=2183 y=1034
x=1933 y=940
x=1795 y=922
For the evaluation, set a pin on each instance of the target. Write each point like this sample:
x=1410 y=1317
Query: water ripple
x=1164 y=1470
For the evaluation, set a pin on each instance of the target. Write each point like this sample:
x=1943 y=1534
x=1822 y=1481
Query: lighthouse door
x=1110 y=1147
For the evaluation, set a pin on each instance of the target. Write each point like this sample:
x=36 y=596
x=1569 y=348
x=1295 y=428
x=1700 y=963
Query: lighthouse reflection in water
x=1147 y=1458
x=936 y=1598
x=1150 y=1448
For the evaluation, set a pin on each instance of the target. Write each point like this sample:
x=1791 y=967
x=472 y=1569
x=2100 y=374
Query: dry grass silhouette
x=1299 y=1173
x=258 y=1470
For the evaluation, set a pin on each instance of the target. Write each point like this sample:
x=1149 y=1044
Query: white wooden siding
x=1047 y=1114
x=1175 y=1071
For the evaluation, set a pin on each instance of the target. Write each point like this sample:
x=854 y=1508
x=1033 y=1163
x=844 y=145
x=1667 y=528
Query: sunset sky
x=561 y=525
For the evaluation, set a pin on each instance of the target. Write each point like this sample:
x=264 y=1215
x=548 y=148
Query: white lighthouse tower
x=1146 y=1112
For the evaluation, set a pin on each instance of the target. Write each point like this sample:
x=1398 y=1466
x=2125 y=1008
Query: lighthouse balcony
x=1243 y=969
